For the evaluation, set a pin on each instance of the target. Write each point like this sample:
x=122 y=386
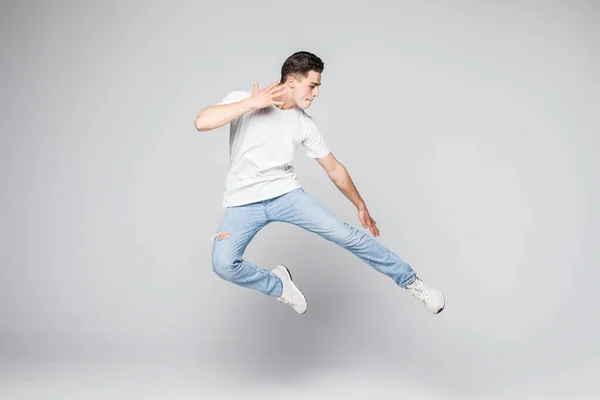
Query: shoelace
x=284 y=301
x=419 y=290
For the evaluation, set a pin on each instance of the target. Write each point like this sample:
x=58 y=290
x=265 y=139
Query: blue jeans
x=241 y=223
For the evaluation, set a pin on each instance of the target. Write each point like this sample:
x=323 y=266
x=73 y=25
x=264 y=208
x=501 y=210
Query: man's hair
x=301 y=63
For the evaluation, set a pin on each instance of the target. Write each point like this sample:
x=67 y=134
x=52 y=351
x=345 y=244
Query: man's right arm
x=216 y=116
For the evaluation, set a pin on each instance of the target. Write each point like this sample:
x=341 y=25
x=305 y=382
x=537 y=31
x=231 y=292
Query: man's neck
x=287 y=105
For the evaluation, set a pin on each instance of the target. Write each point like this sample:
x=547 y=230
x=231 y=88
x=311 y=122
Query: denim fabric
x=241 y=223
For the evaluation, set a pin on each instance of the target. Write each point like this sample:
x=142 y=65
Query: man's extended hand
x=367 y=221
x=265 y=97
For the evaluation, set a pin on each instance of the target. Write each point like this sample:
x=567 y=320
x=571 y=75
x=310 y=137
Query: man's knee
x=224 y=266
x=349 y=236
x=223 y=262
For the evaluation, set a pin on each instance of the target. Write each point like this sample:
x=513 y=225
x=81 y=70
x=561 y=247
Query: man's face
x=304 y=89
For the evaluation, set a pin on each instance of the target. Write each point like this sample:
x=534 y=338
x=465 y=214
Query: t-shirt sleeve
x=313 y=142
x=235 y=96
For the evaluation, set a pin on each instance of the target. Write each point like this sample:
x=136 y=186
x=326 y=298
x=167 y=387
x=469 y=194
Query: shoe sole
x=292 y=280
x=444 y=306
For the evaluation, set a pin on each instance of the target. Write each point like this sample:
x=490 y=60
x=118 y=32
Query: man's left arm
x=341 y=178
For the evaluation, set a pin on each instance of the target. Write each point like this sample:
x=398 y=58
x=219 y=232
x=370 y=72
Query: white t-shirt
x=262 y=144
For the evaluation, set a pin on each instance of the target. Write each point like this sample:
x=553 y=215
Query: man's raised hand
x=265 y=97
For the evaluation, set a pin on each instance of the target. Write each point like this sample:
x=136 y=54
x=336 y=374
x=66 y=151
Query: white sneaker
x=431 y=298
x=291 y=294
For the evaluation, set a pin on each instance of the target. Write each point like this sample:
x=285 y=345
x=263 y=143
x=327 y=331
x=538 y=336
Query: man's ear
x=291 y=82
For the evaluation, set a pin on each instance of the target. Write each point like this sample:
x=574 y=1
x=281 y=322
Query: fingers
x=367 y=221
x=373 y=226
x=279 y=92
x=270 y=87
x=374 y=230
x=370 y=226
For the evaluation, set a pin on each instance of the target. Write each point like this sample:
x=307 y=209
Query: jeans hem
x=407 y=283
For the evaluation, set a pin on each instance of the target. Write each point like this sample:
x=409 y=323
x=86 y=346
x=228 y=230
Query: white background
x=470 y=129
